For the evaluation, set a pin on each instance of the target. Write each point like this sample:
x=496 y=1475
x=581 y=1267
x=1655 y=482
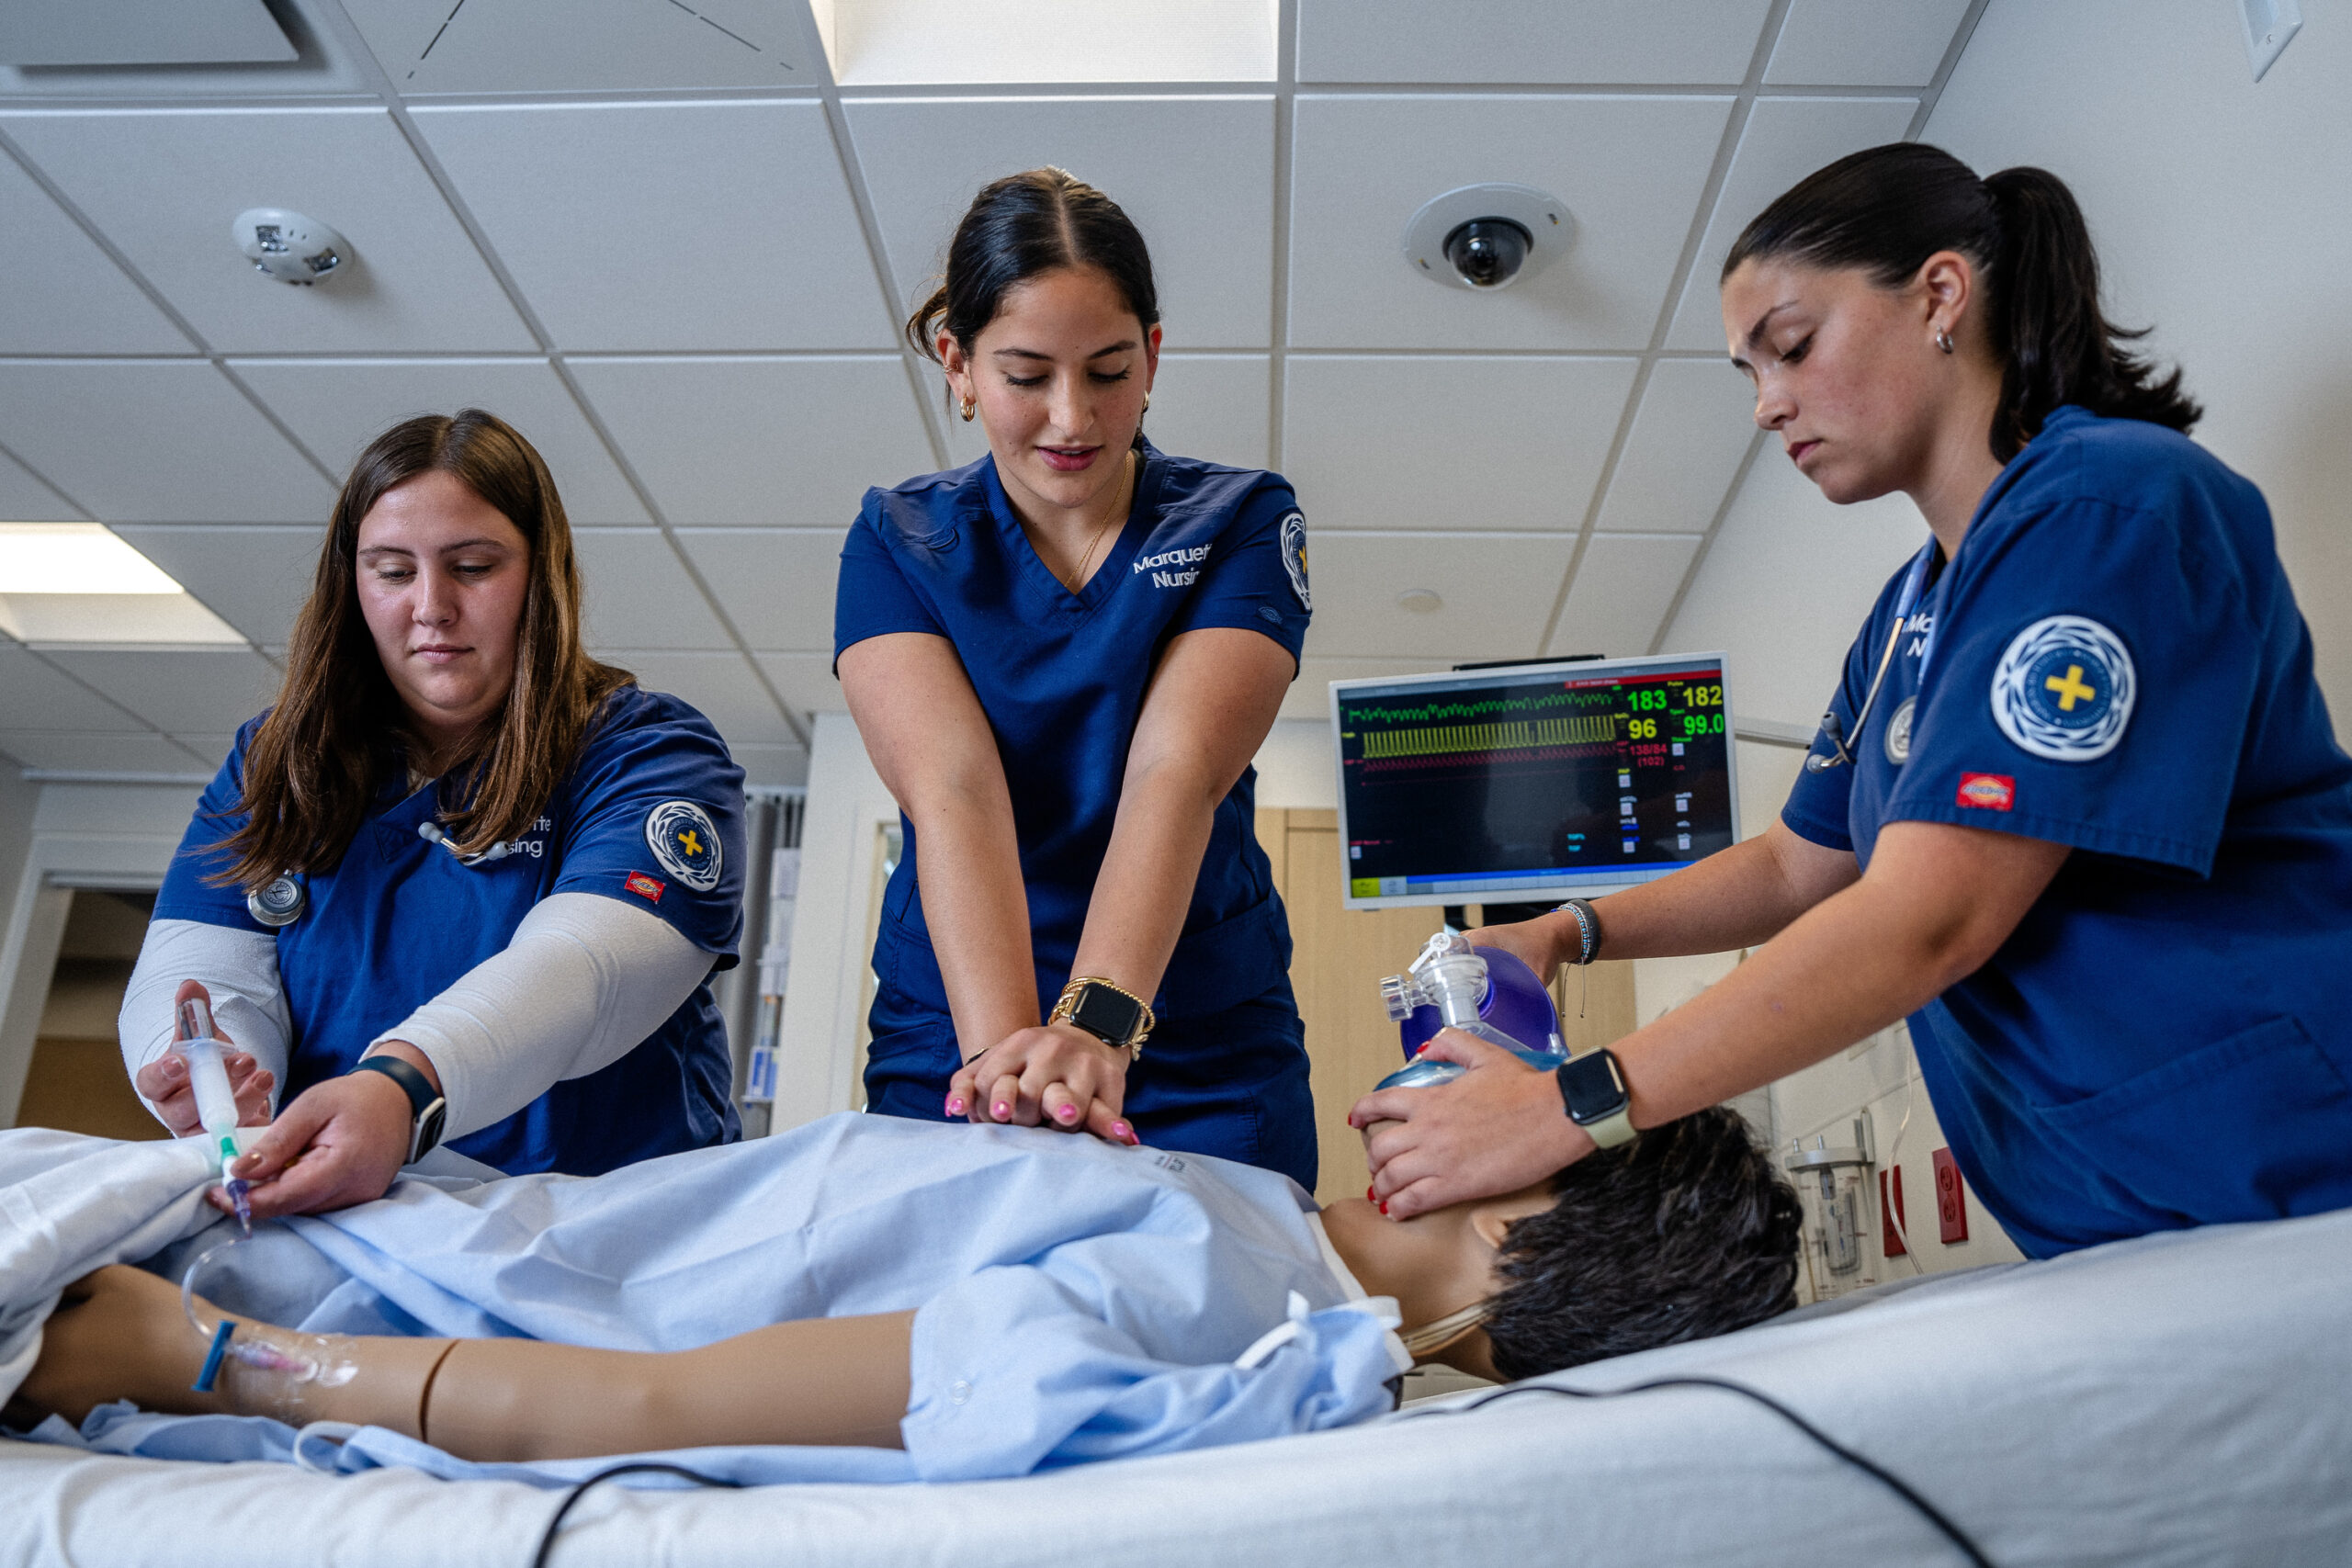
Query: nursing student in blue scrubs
x=461 y=881
x=2076 y=808
x=1062 y=659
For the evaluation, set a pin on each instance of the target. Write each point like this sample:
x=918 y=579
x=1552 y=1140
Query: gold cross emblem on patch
x=693 y=846
x=2069 y=688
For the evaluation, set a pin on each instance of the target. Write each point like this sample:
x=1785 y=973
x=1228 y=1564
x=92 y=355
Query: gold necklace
x=1076 y=582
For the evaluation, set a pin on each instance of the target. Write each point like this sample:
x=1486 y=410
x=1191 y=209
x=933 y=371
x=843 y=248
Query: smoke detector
x=1487 y=237
x=289 y=246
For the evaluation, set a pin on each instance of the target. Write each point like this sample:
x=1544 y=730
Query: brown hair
x=334 y=734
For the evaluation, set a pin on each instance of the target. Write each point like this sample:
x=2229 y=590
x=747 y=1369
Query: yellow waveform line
x=1439 y=739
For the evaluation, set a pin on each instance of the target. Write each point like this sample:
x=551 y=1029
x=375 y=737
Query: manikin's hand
x=1053 y=1073
x=1527 y=940
x=341 y=1142
x=1498 y=1128
x=164 y=1082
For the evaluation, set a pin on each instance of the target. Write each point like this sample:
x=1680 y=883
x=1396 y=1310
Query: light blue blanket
x=1074 y=1300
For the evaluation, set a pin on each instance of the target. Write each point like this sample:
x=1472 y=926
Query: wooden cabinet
x=1338 y=958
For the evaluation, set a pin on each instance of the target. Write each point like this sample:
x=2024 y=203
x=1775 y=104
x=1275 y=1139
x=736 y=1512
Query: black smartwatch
x=1116 y=1018
x=1593 y=1088
x=427 y=1109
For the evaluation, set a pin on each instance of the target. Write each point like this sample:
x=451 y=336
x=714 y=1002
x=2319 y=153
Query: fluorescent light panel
x=78 y=582
x=954 y=42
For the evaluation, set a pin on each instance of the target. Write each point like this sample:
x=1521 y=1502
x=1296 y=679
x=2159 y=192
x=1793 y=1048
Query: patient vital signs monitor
x=1531 y=782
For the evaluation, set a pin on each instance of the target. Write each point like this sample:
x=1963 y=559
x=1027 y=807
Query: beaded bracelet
x=1587 y=929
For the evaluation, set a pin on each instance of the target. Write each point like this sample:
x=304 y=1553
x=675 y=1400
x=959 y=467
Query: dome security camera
x=1487 y=237
x=289 y=246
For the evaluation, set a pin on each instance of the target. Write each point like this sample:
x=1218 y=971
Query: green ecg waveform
x=1434 y=712
x=1432 y=740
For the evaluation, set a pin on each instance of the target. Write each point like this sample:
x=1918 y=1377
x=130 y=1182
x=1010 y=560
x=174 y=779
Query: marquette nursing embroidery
x=2064 y=690
x=684 y=840
x=1295 y=558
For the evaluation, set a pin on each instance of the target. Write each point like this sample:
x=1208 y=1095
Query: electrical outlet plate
x=2270 y=26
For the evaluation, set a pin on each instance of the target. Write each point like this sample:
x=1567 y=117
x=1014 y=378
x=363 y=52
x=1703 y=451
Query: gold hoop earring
x=967 y=410
x=1943 y=340
x=1146 y=402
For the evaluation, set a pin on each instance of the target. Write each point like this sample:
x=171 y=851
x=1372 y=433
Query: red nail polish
x=1370 y=1194
x=1384 y=1205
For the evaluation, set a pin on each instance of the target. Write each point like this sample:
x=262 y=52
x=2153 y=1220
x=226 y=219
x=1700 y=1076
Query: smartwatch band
x=428 y=1111
x=1116 y=1016
x=1592 y=1087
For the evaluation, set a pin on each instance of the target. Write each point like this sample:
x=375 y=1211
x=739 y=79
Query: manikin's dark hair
x=1017 y=228
x=1685 y=1233
x=1887 y=209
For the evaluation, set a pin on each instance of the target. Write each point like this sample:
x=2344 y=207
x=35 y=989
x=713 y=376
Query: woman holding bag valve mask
x=1062 y=658
x=2077 y=807
x=462 y=880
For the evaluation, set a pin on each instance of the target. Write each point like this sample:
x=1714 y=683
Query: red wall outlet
x=1890 y=1210
x=1951 y=1210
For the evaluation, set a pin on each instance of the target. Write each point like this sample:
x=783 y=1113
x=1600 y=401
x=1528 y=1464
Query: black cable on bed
x=547 y=1537
x=1878 y=1472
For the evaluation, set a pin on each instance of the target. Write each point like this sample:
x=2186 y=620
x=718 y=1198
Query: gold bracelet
x=1066 y=1005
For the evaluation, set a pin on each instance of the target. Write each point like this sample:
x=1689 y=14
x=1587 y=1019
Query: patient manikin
x=1687 y=1232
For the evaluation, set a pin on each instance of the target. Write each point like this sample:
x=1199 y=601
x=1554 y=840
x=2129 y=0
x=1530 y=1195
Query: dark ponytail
x=1887 y=209
x=1021 y=226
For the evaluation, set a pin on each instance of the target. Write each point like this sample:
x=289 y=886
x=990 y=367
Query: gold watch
x=1115 y=1017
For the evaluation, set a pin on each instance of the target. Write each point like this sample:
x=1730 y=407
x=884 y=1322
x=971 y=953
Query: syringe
x=216 y=1102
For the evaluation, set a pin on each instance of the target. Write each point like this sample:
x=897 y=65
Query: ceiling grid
x=1379 y=391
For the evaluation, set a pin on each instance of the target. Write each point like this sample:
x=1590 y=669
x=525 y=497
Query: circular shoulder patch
x=684 y=840
x=2065 y=689
x=1295 y=558
x=1898 y=731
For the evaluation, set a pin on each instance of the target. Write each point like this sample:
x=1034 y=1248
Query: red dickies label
x=1988 y=792
x=650 y=890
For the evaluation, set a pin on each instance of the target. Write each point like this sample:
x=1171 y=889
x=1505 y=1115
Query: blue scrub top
x=1061 y=677
x=652 y=814
x=2115 y=662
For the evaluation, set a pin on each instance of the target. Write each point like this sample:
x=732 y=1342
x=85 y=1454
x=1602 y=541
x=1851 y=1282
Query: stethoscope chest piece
x=280 y=901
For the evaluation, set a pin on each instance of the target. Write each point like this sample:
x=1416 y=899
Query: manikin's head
x=1686 y=1232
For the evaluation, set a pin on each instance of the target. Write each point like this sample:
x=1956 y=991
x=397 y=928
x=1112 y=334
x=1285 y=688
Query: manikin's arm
x=843 y=1380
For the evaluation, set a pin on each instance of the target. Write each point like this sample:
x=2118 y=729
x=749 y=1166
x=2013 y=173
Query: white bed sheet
x=2182 y=1399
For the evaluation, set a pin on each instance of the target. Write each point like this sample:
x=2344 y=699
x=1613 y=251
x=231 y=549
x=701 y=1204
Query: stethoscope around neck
x=1915 y=587
x=285 y=898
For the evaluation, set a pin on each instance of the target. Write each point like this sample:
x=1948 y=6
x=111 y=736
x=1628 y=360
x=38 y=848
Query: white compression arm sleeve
x=583 y=982
x=239 y=968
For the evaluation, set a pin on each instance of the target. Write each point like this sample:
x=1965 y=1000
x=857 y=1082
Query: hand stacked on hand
x=1054 y=1075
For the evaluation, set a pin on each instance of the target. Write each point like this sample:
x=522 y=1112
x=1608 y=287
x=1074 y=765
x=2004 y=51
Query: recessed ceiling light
x=74 y=558
x=947 y=42
x=1420 y=601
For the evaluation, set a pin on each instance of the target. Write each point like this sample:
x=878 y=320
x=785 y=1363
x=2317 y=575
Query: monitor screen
x=1531 y=782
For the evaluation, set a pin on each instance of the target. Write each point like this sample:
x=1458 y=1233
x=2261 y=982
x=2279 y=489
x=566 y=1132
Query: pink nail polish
x=1002 y=1109
x=1067 y=1113
x=956 y=1105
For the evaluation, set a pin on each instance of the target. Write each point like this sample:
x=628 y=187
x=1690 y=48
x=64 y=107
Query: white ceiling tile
x=515 y=46
x=1629 y=169
x=1622 y=589
x=1528 y=40
x=24 y=499
x=35 y=695
x=154 y=441
x=65 y=294
x=1863 y=43
x=253 y=578
x=164 y=185
x=1695 y=424
x=776 y=585
x=925 y=159
x=748 y=441
x=1450 y=441
x=200 y=691
x=722 y=226
x=1310 y=696
x=780 y=766
x=805 y=681
x=721 y=684
x=1493 y=593
x=639 y=593
x=99 y=753
x=1785 y=140
x=213 y=750
x=1211 y=406
x=338 y=406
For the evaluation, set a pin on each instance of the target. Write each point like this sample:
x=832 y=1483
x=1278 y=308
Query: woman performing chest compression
x=1061 y=659
x=462 y=881
x=2077 y=807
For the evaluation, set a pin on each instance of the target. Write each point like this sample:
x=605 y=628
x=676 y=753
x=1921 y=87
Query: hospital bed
x=2181 y=1399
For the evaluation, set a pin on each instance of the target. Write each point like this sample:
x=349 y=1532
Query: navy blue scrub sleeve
x=1253 y=578
x=873 y=597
